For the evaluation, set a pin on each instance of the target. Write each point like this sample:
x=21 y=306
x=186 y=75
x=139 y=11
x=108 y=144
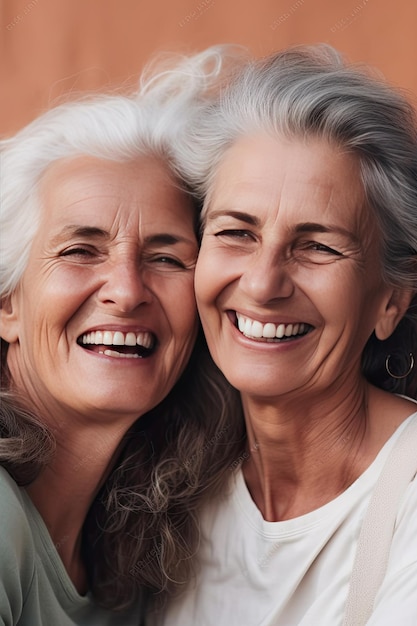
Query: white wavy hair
x=142 y=529
x=148 y=121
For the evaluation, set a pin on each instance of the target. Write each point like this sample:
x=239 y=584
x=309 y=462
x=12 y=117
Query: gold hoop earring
x=402 y=375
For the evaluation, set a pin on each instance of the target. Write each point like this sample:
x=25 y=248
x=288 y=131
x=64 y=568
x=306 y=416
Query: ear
x=9 y=320
x=393 y=310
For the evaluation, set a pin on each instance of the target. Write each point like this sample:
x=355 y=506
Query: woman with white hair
x=306 y=285
x=99 y=328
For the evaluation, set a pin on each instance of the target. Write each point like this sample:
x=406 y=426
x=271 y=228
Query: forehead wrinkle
x=361 y=226
x=321 y=205
x=61 y=179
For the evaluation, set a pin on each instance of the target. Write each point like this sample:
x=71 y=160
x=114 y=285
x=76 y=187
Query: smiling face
x=104 y=319
x=288 y=279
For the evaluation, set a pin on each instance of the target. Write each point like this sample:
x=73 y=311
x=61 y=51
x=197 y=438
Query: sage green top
x=35 y=589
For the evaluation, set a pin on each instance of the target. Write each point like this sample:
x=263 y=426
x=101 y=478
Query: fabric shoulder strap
x=377 y=529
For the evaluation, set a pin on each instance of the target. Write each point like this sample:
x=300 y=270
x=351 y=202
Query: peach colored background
x=50 y=47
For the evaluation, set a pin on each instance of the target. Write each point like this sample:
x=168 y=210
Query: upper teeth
x=117 y=338
x=253 y=328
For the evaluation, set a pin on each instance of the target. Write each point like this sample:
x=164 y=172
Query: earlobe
x=9 y=323
x=394 y=310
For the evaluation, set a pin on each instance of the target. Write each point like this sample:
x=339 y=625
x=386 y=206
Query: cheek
x=54 y=290
x=199 y=283
x=203 y=294
x=50 y=300
x=180 y=312
x=187 y=320
x=344 y=299
x=336 y=285
x=211 y=276
x=180 y=306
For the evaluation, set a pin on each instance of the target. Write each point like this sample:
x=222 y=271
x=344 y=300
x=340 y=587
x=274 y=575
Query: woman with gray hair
x=306 y=285
x=99 y=328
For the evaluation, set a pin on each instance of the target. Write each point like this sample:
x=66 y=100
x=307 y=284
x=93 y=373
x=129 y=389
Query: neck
x=65 y=490
x=304 y=452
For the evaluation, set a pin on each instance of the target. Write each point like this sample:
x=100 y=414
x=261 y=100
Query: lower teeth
x=119 y=355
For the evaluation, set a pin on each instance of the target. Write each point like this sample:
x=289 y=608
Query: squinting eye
x=169 y=261
x=319 y=247
x=77 y=252
x=235 y=233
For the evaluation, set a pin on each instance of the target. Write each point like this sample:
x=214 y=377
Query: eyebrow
x=94 y=232
x=239 y=215
x=74 y=230
x=167 y=239
x=314 y=227
x=304 y=227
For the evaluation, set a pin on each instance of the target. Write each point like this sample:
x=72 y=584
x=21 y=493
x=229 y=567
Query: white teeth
x=130 y=339
x=118 y=355
x=257 y=330
x=107 y=338
x=280 y=331
x=118 y=338
x=144 y=339
x=241 y=323
x=269 y=330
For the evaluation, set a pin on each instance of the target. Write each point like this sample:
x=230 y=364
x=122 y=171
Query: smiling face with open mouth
x=104 y=319
x=288 y=278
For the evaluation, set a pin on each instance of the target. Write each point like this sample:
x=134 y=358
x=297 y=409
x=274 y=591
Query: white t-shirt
x=295 y=572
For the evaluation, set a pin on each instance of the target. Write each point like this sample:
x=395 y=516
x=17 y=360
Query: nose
x=267 y=277
x=125 y=286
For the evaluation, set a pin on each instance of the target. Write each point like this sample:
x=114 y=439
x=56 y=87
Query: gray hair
x=148 y=121
x=311 y=91
x=142 y=528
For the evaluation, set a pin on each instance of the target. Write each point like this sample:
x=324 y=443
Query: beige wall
x=50 y=47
